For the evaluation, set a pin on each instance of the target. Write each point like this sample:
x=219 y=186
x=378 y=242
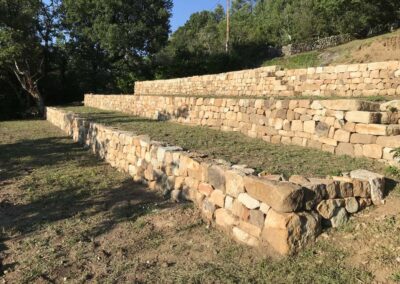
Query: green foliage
x=117 y=37
x=199 y=46
x=79 y=46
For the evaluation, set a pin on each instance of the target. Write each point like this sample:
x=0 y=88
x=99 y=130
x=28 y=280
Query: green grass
x=303 y=60
x=396 y=277
x=234 y=147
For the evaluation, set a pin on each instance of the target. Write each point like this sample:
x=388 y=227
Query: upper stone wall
x=370 y=79
x=351 y=127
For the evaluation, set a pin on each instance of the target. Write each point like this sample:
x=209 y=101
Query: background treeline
x=199 y=46
x=54 y=51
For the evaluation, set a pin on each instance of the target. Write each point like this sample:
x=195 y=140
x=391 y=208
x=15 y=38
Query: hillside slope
x=375 y=49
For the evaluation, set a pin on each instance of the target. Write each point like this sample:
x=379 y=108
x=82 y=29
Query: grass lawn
x=67 y=217
x=234 y=147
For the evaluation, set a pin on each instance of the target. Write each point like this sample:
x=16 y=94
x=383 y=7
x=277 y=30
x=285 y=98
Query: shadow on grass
x=21 y=158
x=49 y=161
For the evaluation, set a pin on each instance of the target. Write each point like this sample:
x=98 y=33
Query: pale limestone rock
x=245 y=238
x=264 y=208
x=218 y=198
x=389 y=141
x=287 y=233
x=234 y=182
x=225 y=219
x=340 y=218
x=363 y=117
x=351 y=205
x=391 y=105
x=376 y=182
x=281 y=196
x=374 y=151
x=248 y=201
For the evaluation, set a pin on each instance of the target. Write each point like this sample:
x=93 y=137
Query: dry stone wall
x=257 y=211
x=352 y=127
x=370 y=79
x=316 y=44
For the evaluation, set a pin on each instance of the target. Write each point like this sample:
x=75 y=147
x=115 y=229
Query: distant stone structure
x=369 y=79
x=257 y=211
x=316 y=44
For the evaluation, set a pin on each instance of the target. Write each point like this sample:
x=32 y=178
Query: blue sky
x=184 y=8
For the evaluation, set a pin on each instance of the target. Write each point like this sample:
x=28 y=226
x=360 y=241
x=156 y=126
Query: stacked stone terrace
x=352 y=127
x=257 y=211
x=268 y=210
x=370 y=79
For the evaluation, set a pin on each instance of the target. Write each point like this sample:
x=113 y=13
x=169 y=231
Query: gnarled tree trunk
x=29 y=83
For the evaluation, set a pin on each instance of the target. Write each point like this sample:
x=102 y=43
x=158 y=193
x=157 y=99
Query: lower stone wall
x=352 y=127
x=257 y=211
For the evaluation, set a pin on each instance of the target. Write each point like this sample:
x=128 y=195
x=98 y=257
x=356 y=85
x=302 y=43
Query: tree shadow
x=127 y=201
x=21 y=158
x=109 y=204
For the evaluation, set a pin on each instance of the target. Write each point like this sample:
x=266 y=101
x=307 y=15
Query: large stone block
x=389 y=141
x=225 y=219
x=309 y=126
x=245 y=238
x=391 y=105
x=376 y=182
x=218 y=198
x=378 y=129
x=374 y=151
x=345 y=149
x=287 y=233
x=350 y=105
x=327 y=208
x=363 y=117
x=248 y=201
x=205 y=189
x=281 y=196
x=216 y=177
x=342 y=136
x=234 y=182
x=357 y=138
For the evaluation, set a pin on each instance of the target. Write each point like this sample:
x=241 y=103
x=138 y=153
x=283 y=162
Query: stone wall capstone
x=369 y=79
x=351 y=127
x=256 y=211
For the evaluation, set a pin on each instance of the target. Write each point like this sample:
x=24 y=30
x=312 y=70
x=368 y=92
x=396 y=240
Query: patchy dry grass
x=234 y=147
x=65 y=216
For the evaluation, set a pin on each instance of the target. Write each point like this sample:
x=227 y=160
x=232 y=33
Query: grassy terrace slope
x=234 y=147
x=66 y=217
x=375 y=49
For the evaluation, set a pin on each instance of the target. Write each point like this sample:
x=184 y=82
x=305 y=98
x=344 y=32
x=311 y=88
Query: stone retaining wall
x=316 y=44
x=370 y=79
x=351 y=127
x=257 y=211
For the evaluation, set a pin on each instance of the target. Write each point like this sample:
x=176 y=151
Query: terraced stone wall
x=351 y=127
x=257 y=211
x=370 y=79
